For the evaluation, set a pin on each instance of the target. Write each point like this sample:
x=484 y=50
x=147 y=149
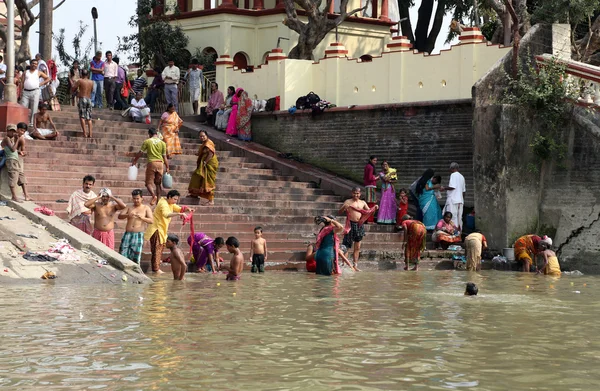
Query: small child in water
x=471 y=289
x=551 y=266
x=237 y=260
x=178 y=265
x=258 y=251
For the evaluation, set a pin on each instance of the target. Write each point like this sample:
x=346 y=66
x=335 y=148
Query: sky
x=113 y=19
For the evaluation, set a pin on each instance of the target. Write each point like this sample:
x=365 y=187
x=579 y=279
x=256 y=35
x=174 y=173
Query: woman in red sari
x=244 y=113
x=415 y=235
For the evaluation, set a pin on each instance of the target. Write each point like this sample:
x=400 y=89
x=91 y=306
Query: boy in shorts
x=13 y=145
x=156 y=153
x=178 y=265
x=258 y=251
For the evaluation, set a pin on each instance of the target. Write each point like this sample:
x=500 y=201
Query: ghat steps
x=249 y=192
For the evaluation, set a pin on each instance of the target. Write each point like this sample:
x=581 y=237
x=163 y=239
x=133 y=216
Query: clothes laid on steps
x=38 y=257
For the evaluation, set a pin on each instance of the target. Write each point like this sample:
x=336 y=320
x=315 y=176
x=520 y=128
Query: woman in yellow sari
x=203 y=182
x=169 y=126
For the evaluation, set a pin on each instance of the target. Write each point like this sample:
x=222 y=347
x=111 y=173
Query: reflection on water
x=298 y=331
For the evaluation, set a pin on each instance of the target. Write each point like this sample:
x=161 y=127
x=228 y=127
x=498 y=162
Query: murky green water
x=297 y=331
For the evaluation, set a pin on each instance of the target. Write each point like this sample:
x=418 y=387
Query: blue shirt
x=97 y=65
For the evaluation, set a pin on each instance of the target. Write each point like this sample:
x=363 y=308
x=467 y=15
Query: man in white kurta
x=455 y=198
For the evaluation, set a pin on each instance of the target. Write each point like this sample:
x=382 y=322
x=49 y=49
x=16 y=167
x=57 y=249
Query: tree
x=312 y=32
x=157 y=41
x=82 y=54
x=28 y=19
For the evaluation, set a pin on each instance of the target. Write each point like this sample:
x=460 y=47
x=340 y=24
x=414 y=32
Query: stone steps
x=249 y=192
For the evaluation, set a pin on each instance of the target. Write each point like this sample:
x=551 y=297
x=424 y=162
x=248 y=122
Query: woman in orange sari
x=169 y=126
x=203 y=182
x=415 y=235
x=527 y=248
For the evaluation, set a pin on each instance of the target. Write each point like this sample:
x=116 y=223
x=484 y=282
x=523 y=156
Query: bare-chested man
x=43 y=126
x=104 y=213
x=84 y=88
x=138 y=216
x=357 y=212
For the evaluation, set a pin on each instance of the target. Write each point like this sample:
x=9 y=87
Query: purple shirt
x=121 y=75
x=158 y=81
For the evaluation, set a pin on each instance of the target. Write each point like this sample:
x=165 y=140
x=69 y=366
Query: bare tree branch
x=59 y=4
x=33 y=3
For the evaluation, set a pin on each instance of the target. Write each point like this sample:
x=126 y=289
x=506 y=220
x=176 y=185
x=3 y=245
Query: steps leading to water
x=249 y=193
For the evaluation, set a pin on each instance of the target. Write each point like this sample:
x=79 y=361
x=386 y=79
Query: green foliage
x=544 y=94
x=207 y=60
x=563 y=11
x=157 y=41
x=82 y=54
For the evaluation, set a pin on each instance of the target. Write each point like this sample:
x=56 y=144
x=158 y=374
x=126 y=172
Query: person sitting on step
x=43 y=126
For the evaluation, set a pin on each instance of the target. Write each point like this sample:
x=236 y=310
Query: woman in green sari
x=203 y=182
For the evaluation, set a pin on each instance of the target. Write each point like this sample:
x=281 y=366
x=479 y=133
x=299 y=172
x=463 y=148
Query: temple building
x=247 y=30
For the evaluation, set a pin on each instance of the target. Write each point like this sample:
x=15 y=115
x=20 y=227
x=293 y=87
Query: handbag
x=125 y=89
x=125 y=112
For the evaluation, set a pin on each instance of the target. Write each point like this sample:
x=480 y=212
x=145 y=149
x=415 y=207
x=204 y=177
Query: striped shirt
x=139 y=84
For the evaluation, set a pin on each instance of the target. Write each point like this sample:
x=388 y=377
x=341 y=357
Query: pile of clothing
x=62 y=251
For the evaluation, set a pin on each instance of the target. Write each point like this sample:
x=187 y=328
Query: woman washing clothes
x=328 y=245
x=446 y=232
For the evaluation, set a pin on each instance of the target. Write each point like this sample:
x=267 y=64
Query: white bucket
x=509 y=253
x=132 y=173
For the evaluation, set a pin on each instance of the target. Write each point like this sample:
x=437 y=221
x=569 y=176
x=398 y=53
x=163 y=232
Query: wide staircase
x=248 y=193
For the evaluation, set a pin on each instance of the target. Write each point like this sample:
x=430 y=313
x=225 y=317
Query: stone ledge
x=78 y=239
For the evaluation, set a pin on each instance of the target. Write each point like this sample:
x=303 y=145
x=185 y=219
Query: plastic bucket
x=167 y=181
x=509 y=253
x=132 y=173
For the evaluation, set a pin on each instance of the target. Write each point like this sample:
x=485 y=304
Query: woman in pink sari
x=232 y=124
x=243 y=117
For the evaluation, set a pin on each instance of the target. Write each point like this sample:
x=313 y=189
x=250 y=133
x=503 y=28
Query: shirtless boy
x=13 y=146
x=258 y=251
x=178 y=265
x=43 y=126
x=84 y=87
x=104 y=213
x=137 y=217
x=237 y=260
x=352 y=208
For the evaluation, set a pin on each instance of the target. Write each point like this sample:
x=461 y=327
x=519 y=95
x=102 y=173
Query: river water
x=298 y=331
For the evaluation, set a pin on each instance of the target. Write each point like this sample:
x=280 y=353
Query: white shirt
x=110 y=69
x=457 y=181
x=173 y=73
x=3 y=67
x=32 y=80
x=193 y=77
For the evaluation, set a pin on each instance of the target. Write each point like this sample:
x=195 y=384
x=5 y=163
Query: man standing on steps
x=30 y=84
x=104 y=213
x=79 y=215
x=138 y=216
x=156 y=153
x=97 y=69
x=156 y=233
x=171 y=77
x=357 y=213
x=84 y=88
x=455 y=198
x=194 y=81
x=111 y=70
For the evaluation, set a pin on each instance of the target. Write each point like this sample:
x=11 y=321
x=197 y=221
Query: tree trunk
x=422 y=30
x=45 y=45
x=437 y=26
x=309 y=38
x=406 y=25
